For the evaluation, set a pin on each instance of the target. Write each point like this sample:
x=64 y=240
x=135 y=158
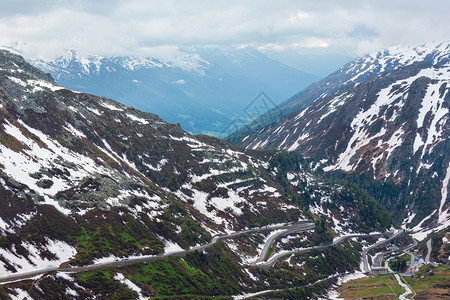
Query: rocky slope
x=385 y=116
x=85 y=179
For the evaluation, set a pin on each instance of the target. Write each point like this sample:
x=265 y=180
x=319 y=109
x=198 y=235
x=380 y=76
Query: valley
x=102 y=200
x=87 y=181
x=204 y=89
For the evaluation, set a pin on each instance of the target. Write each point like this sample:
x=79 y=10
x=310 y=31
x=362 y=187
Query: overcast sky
x=144 y=27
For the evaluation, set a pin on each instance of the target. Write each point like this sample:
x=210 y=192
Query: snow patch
x=131 y=285
x=110 y=107
x=444 y=216
x=334 y=294
x=63 y=252
x=172 y=247
x=21 y=295
x=136 y=119
x=39 y=84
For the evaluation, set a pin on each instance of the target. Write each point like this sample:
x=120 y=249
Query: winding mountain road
x=338 y=241
x=299 y=226
x=378 y=259
x=269 y=242
x=378 y=244
x=289 y=229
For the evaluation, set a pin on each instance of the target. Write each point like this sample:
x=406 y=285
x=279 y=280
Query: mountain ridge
x=392 y=127
x=361 y=69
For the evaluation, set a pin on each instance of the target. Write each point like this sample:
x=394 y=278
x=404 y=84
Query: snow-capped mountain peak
x=379 y=62
x=92 y=64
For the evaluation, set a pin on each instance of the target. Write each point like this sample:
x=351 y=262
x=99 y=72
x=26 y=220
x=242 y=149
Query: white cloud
x=313 y=42
x=141 y=26
x=299 y=16
x=180 y=81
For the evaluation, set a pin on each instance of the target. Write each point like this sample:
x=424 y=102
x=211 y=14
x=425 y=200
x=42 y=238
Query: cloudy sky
x=113 y=27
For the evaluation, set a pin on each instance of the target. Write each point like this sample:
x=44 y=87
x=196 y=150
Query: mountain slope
x=392 y=128
x=203 y=89
x=357 y=71
x=84 y=179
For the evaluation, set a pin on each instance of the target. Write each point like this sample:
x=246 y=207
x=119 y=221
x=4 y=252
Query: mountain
x=203 y=89
x=359 y=70
x=383 y=120
x=103 y=200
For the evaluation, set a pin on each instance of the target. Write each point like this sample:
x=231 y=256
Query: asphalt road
x=275 y=258
x=364 y=254
x=378 y=259
x=413 y=257
x=129 y=261
x=269 y=242
x=289 y=228
x=427 y=258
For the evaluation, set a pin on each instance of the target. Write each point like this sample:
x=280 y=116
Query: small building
x=416 y=266
x=392 y=248
x=379 y=271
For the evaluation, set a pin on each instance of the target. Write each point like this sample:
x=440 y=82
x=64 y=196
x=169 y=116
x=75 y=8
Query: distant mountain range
x=381 y=121
x=203 y=89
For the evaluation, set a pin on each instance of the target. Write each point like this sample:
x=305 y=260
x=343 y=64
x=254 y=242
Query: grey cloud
x=363 y=31
x=116 y=27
